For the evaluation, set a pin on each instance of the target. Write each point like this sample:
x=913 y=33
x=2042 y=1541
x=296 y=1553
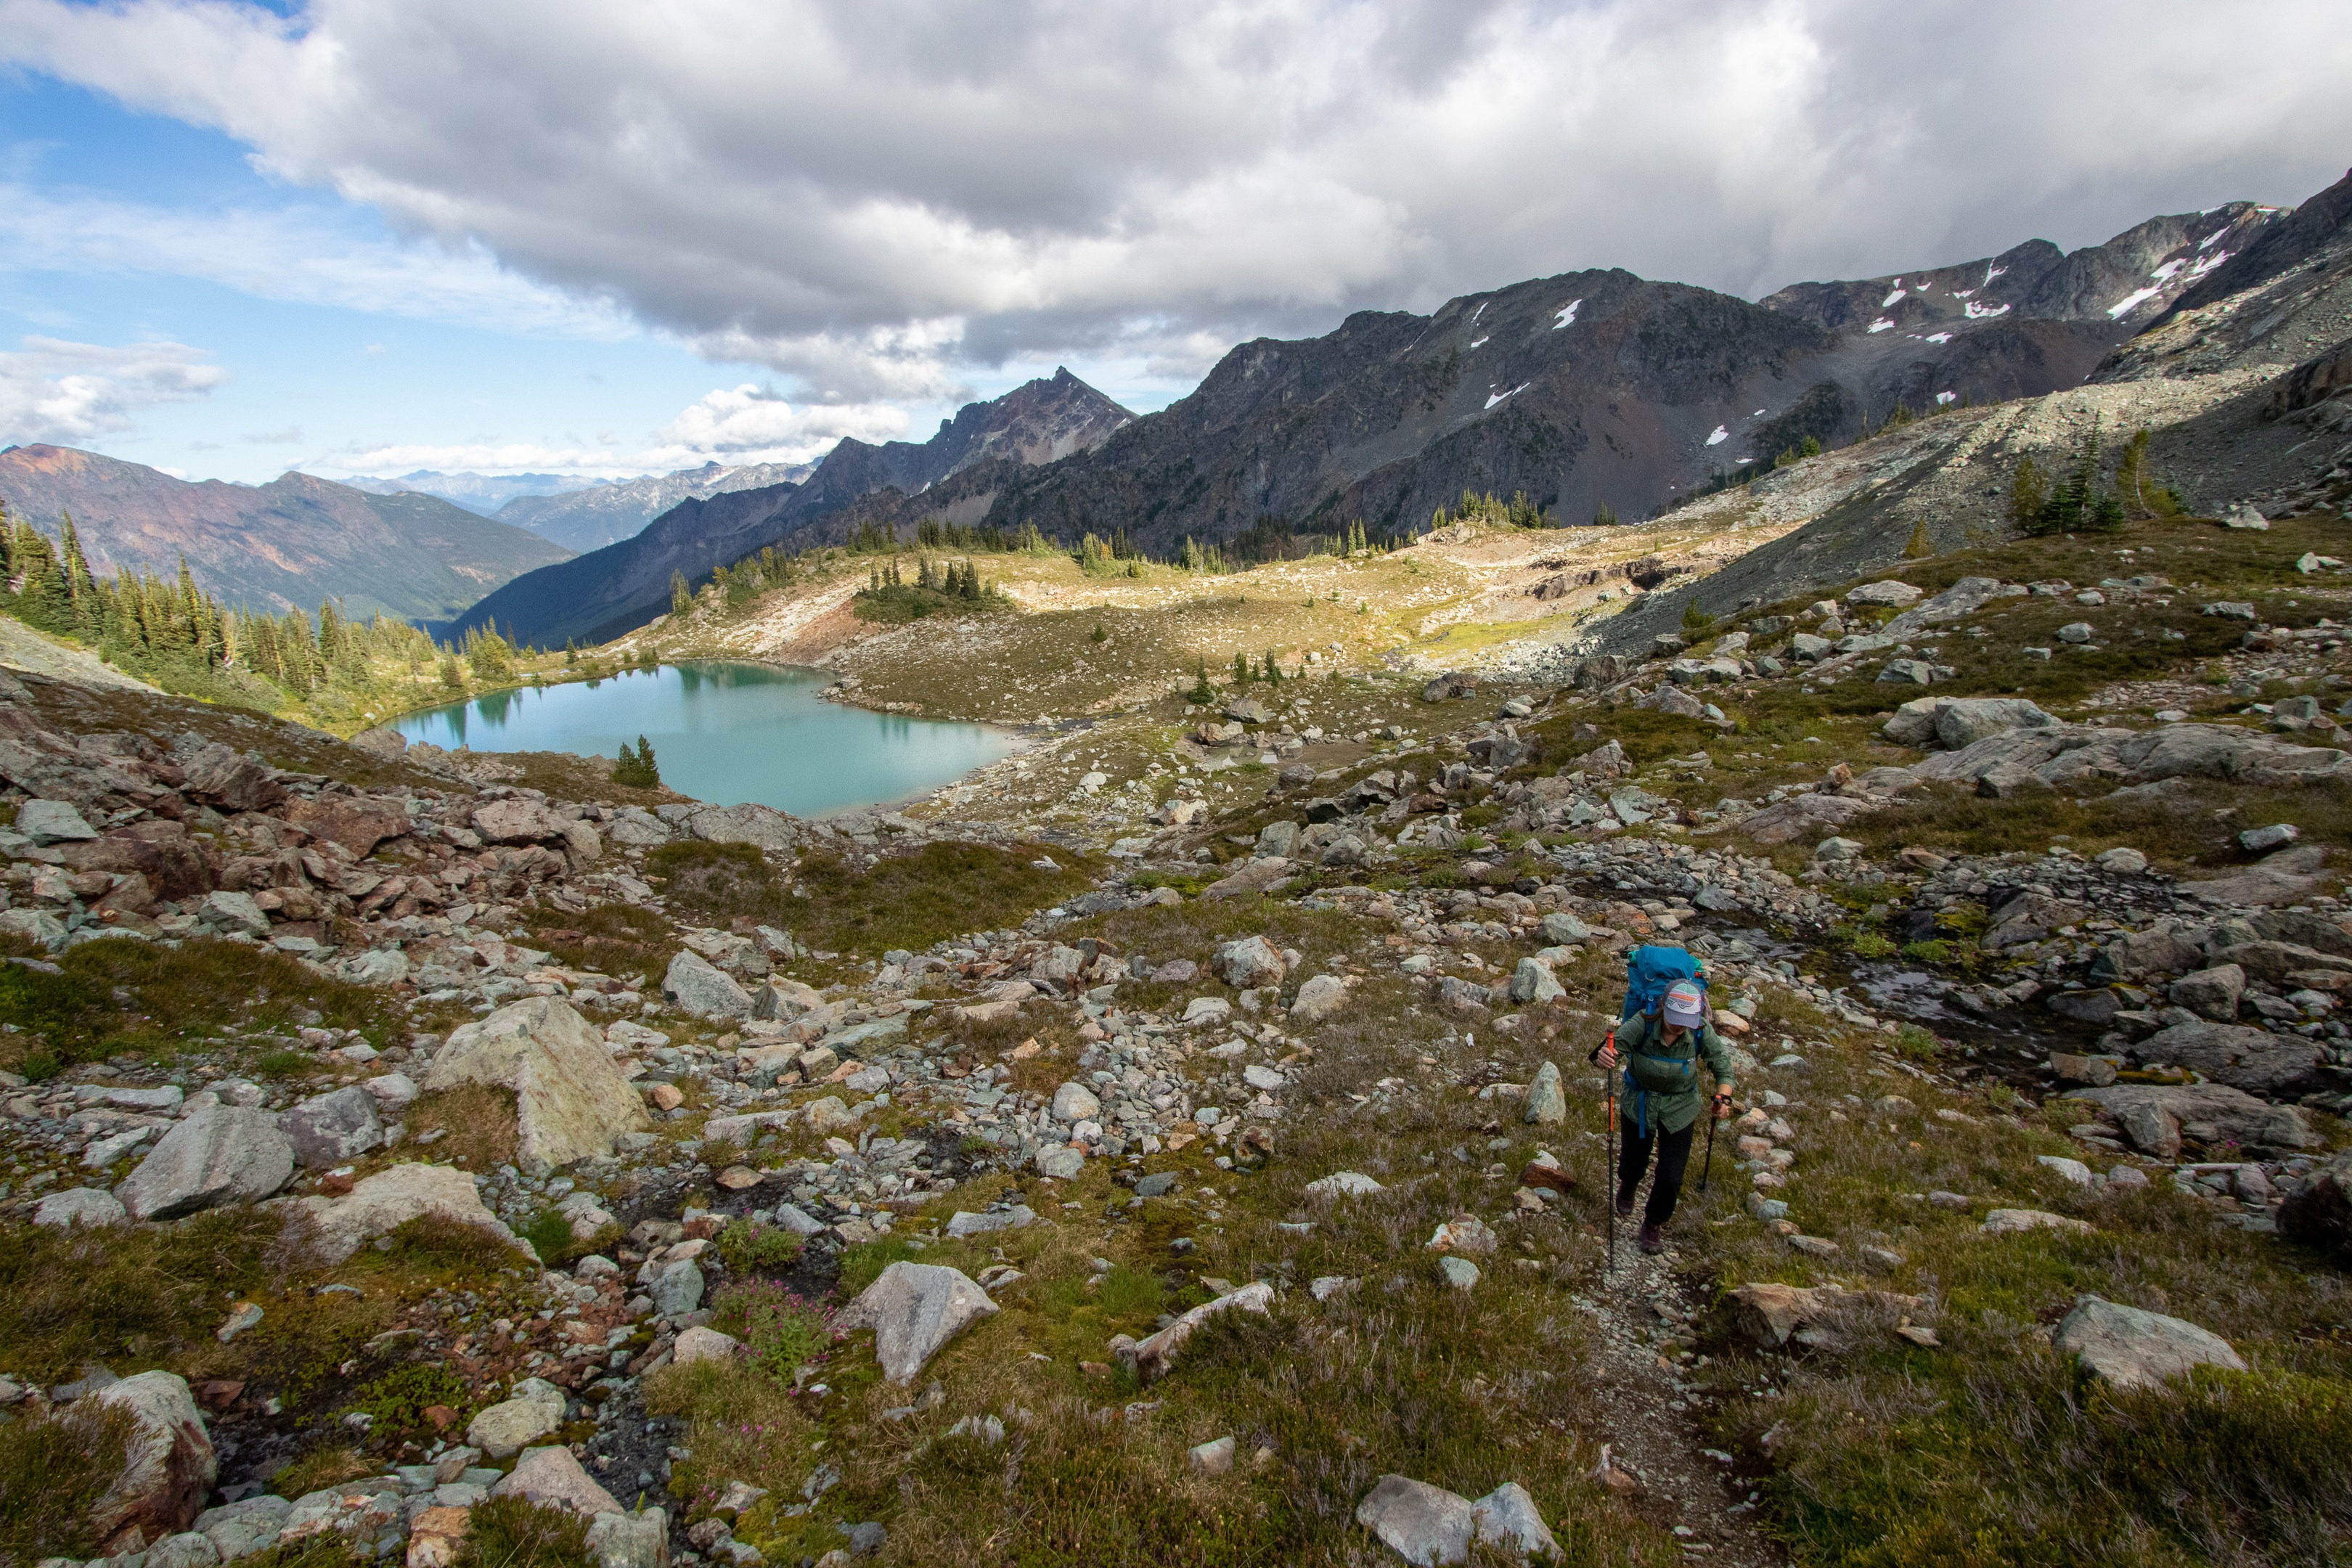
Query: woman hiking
x=1661 y=1049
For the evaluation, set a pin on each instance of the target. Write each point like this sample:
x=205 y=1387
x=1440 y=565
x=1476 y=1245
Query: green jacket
x=1675 y=1112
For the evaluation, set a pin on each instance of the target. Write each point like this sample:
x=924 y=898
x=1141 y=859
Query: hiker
x=1661 y=1048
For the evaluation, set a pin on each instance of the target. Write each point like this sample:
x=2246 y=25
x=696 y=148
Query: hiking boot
x=1654 y=1238
x=1624 y=1206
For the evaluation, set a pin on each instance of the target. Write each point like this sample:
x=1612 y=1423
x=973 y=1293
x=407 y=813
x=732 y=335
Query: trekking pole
x=1708 y=1169
x=1608 y=1175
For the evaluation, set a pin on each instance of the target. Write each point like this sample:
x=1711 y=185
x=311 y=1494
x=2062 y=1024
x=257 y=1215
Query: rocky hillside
x=2240 y=387
x=296 y=541
x=614 y=590
x=1181 y=1142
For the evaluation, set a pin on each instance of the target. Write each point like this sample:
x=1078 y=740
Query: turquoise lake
x=726 y=733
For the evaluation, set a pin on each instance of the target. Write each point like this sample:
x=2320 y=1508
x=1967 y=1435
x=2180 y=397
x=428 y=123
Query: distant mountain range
x=601 y=594
x=293 y=542
x=481 y=494
x=581 y=514
x=607 y=514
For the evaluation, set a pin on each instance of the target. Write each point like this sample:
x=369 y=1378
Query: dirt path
x=1651 y=1418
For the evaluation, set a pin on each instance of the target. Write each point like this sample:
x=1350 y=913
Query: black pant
x=1633 y=1158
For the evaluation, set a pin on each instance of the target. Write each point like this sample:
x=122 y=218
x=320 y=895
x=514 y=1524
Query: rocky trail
x=1653 y=1417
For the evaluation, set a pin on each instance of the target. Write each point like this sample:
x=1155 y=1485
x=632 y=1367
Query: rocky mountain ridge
x=1600 y=390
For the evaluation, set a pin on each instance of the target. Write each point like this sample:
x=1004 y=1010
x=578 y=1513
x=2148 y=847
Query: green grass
x=620 y=940
x=53 y=1470
x=909 y=900
x=71 y=1297
x=139 y=996
x=515 y=1532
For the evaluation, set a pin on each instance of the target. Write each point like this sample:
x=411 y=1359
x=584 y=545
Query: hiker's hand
x=1723 y=1105
x=1608 y=1057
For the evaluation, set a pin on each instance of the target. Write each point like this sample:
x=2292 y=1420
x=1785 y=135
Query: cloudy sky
x=608 y=236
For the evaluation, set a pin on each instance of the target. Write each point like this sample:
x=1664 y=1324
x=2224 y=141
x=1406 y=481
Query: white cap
x=1685 y=1005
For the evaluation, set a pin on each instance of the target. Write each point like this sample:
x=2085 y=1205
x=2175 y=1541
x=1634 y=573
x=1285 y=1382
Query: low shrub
x=747 y=1246
x=781 y=1330
x=397 y=1401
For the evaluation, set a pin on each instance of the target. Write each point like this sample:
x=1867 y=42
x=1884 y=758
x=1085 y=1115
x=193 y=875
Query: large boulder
x=1811 y=816
x=1318 y=999
x=2318 y=1212
x=1427 y=1525
x=639 y=1539
x=764 y=827
x=331 y=1127
x=47 y=822
x=2288 y=877
x=168 y=1468
x=914 y=1310
x=2130 y=1348
x=1889 y=592
x=2155 y=1117
x=385 y=1202
x=1249 y=879
x=1547 y=1100
x=1155 y=1356
x=243 y=1528
x=2275 y=1067
x=2211 y=993
x=357 y=825
x=215 y=1154
x=1967 y=720
x=570 y=1101
x=1532 y=982
x=1963 y=598
x=1074 y=1102
x=2277 y=962
x=697 y=986
x=1248 y=962
x=554 y=1478
x=1420 y=1523
x=516 y=821
x=534 y=1410
x=79 y=1206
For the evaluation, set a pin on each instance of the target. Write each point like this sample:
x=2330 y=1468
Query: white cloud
x=752 y=419
x=871 y=196
x=68 y=392
x=746 y=424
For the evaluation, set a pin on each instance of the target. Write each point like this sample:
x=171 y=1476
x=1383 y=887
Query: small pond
x=725 y=732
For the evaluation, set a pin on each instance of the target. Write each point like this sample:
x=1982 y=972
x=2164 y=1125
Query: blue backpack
x=1650 y=971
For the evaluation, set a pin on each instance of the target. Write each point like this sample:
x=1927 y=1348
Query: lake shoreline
x=729 y=729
